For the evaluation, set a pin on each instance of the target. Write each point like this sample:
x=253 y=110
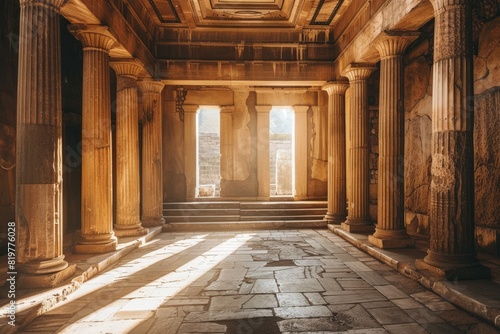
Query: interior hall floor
x=273 y=281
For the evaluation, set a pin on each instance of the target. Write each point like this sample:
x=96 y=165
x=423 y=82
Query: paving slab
x=277 y=281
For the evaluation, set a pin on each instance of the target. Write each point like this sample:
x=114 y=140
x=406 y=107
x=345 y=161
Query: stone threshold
x=480 y=297
x=244 y=225
x=31 y=303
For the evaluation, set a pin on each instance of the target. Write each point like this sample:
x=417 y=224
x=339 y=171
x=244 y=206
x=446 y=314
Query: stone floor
x=287 y=281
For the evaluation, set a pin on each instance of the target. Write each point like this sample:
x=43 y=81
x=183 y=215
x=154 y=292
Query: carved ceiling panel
x=246 y=13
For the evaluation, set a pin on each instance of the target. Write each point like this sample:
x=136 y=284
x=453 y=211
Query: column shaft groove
x=97 y=234
x=337 y=202
x=39 y=164
x=128 y=222
x=358 y=219
x=152 y=178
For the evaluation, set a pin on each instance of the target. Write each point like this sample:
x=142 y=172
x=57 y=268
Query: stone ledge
x=32 y=303
x=479 y=297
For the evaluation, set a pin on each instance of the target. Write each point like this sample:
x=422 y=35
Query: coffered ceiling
x=246 y=13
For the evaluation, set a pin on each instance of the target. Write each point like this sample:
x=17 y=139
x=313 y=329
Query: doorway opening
x=282 y=156
x=208 y=155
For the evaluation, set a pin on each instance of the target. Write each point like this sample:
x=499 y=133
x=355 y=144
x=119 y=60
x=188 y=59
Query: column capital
x=93 y=36
x=151 y=86
x=358 y=71
x=440 y=4
x=53 y=4
x=190 y=108
x=337 y=87
x=227 y=109
x=128 y=67
x=393 y=43
x=263 y=108
x=300 y=109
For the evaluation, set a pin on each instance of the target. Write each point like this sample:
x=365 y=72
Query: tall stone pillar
x=128 y=221
x=390 y=231
x=152 y=175
x=226 y=143
x=39 y=147
x=263 y=159
x=451 y=213
x=358 y=219
x=337 y=212
x=301 y=140
x=97 y=234
x=190 y=150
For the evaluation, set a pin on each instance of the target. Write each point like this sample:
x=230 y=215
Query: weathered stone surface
x=417 y=163
x=487 y=73
x=487 y=170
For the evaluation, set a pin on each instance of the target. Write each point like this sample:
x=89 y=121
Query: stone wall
x=209 y=161
x=487 y=137
x=418 y=110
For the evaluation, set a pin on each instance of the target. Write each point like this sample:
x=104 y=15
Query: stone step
x=203 y=218
x=233 y=211
x=244 y=225
x=202 y=205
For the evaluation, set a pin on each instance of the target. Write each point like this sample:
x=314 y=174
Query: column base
x=357 y=225
x=46 y=280
x=42 y=267
x=153 y=221
x=390 y=239
x=334 y=219
x=391 y=243
x=99 y=243
x=453 y=267
x=130 y=230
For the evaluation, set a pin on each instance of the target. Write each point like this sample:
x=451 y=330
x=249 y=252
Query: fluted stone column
x=337 y=212
x=152 y=178
x=301 y=142
x=97 y=234
x=390 y=231
x=452 y=251
x=358 y=218
x=39 y=147
x=263 y=159
x=190 y=149
x=128 y=221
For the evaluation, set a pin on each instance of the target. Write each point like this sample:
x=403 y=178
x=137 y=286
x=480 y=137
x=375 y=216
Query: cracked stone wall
x=487 y=137
x=418 y=110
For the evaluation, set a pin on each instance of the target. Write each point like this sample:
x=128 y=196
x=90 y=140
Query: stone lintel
x=473 y=271
x=51 y=280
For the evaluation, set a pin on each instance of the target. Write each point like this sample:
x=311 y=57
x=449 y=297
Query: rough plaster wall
x=418 y=110
x=318 y=148
x=487 y=138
